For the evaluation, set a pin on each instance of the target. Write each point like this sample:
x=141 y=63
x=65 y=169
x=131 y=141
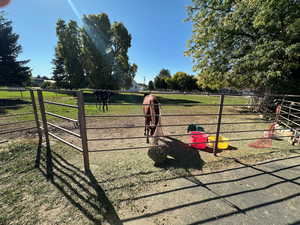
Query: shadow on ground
x=236 y=207
x=119 y=98
x=181 y=155
x=12 y=104
x=80 y=189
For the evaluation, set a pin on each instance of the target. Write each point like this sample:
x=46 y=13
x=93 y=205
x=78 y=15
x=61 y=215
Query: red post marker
x=4 y=3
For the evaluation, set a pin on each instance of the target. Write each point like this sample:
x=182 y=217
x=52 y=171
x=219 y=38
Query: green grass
x=123 y=99
x=28 y=198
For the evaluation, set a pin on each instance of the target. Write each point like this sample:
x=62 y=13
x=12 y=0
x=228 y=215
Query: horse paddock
x=117 y=148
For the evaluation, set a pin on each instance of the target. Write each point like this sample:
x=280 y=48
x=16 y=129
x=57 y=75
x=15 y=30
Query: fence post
x=288 y=122
x=45 y=128
x=83 y=133
x=36 y=117
x=219 y=123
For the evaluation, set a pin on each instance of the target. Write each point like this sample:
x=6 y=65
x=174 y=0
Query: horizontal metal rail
x=169 y=115
x=297 y=103
x=14 y=89
x=17 y=130
x=290 y=121
x=143 y=147
x=298 y=117
x=3 y=141
x=13 y=106
x=288 y=107
x=61 y=104
x=291 y=114
x=61 y=117
x=60 y=91
x=177 y=135
x=12 y=115
x=63 y=129
x=286 y=125
x=65 y=142
x=18 y=122
x=183 y=104
x=171 y=125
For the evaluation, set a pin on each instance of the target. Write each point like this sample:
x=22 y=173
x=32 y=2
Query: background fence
x=223 y=117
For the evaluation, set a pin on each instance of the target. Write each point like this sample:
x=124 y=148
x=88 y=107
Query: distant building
x=38 y=81
x=136 y=87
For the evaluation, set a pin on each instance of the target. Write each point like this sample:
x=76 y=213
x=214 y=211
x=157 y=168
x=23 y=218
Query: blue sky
x=159 y=33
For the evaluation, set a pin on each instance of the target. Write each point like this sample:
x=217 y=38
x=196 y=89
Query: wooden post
x=36 y=117
x=83 y=133
x=45 y=127
x=219 y=124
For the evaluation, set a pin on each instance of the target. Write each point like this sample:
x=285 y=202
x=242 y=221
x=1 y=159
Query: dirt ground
x=126 y=174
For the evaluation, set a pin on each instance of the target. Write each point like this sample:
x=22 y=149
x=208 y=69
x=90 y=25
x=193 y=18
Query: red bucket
x=197 y=137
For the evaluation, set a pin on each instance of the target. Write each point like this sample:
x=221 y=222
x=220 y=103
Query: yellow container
x=222 y=144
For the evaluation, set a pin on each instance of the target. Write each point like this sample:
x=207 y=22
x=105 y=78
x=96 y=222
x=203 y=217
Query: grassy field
x=117 y=176
x=122 y=98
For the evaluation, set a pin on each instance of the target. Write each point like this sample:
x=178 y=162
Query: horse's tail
x=152 y=112
x=155 y=117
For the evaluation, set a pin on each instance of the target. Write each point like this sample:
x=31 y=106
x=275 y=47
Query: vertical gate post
x=288 y=122
x=45 y=128
x=36 y=117
x=83 y=133
x=219 y=123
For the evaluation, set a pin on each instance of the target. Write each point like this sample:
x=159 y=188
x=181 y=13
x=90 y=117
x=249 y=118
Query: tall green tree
x=12 y=71
x=160 y=80
x=69 y=48
x=160 y=83
x=246 y=44
x=59 y=71
x=164 y=73
x=151 y=85
x=97 y=53
x=105 y=47
x=184 y=82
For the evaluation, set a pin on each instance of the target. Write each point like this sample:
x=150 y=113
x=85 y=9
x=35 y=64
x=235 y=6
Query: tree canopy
x=179 y=81
x=12 y=71
x=246 y=44
x=99 y=58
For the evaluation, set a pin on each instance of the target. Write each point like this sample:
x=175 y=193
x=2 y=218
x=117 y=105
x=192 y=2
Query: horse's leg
x=147 y=135
x=147 y=123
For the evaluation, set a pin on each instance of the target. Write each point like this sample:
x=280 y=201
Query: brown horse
x=151 y=112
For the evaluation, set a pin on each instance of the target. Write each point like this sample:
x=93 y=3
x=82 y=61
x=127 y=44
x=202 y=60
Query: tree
x=250 y=43
x=94 y=55
x=59 y=72
x=12 y=72
x=129 y=76
x=160 y=83
x=105 y=49
x=164 y=73
x=97 y=51
x=69 y=49
x=184 y=82
x=151 y=85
